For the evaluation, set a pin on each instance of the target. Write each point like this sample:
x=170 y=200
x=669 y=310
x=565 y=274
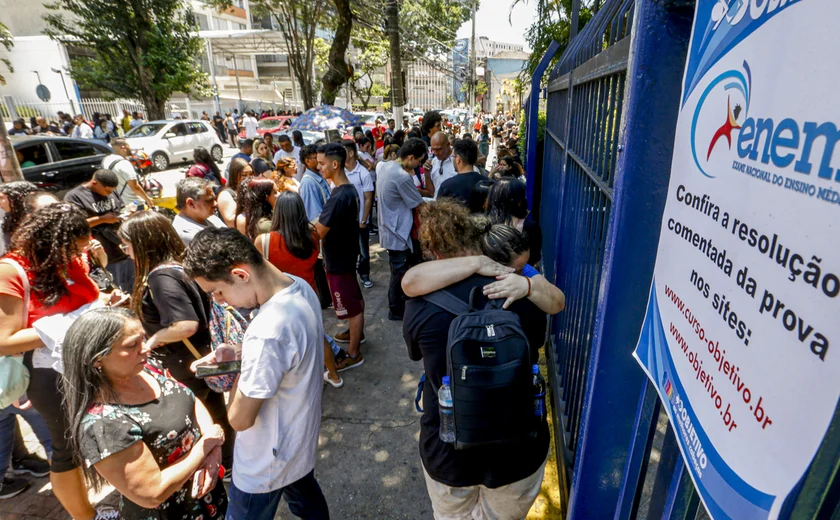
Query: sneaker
x=366 y=281
x=31 y=465
x=344 y=337
x=107 y=513
x=12 y=487
x=331 y=382
x=350 y=362
x=342 y=354
x=394 y=317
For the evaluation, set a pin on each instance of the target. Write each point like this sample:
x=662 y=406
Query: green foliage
x=297 y=22
x=6 y=42
x=140 y=49
x=553 y=22
x=372 y=56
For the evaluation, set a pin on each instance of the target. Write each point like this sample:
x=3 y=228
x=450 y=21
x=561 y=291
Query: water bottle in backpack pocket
x=489 y=370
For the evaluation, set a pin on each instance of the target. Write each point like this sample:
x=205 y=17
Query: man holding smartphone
x=276 y=403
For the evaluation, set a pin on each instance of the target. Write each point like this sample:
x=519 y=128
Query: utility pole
x=9 y=167
x=393 y=21
x=472 y=61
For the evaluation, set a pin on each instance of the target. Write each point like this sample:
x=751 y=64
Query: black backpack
x=489 y=366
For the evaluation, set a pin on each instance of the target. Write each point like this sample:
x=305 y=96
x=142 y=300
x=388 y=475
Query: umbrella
x=326 y=117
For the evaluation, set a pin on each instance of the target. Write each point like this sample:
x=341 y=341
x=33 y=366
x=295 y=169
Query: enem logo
x=725 y=106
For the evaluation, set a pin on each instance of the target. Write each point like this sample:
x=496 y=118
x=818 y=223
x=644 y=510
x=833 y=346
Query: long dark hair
x=47 y=242
x=507 y=200
x=291 y=222
x=297 y=139
x=89 y=338
x=155 y=242
x=16 y=192
x=253 y=203
x=202 y=156
x=235 y=173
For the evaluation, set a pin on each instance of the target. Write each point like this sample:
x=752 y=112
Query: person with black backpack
x=494 y=468
x=129 y=189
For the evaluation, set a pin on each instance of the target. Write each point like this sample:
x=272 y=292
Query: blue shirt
x=315 y=192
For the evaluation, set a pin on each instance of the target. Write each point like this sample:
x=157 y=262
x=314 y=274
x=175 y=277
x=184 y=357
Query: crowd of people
x=117 y=308
x=103 y=127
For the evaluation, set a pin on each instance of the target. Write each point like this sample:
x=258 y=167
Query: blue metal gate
x=612 y=105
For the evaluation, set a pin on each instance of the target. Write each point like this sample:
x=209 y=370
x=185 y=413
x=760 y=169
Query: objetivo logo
x=720 y=112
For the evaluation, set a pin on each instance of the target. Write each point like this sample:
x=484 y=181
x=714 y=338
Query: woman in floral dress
x=137 y=428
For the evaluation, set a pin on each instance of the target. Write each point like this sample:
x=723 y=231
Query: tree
x=373 y=55
x=338 y=70
x=141 y=48
x=552 y=22
x=7 y=42
x=297 y=21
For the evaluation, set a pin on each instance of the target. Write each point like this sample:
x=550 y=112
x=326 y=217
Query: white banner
x=745 y=302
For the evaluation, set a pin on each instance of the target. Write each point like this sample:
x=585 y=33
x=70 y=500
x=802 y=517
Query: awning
x=246 y=42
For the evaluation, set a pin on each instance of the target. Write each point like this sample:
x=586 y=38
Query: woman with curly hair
x=285 y=176
x=48 y=249
x=12 y=195
x=173 y=309
x=254 y=207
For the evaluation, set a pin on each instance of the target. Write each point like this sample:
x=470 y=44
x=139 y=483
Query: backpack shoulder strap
x=24 y=280
x=448 y=302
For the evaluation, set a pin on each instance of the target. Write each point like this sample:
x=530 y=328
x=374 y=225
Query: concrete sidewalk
x=368 y=462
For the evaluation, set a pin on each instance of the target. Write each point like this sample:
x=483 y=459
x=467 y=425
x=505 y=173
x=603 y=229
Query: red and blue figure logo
x=723 y=105
x=667 y=386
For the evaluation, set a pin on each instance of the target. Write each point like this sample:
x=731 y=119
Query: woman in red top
x=292 y=246
x=49 y=247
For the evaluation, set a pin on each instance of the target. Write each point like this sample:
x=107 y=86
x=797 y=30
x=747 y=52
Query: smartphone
x=196 y=486
x=219 y=369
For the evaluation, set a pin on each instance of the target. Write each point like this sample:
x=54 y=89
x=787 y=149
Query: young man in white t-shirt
x=275 y=404
x=250 y=124
x=129 y=189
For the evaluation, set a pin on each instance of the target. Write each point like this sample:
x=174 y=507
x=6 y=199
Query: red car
x=271 y=124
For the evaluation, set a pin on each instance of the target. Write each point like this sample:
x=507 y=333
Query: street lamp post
x=64 y=84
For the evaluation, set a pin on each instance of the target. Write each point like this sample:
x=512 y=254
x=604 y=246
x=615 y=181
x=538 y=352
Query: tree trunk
x=155 y=108
x=9 y=167
x=338 y=71
x=393 y=24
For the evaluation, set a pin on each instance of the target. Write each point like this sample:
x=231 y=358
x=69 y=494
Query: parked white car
x=169 y=142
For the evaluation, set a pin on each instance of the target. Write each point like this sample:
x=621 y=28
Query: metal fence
x=611 y=112
x=584 y=108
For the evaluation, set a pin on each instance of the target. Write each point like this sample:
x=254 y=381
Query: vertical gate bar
x=683 y=499
x=603 y=141
x=669 y=457
x=617 y=129
x=613 y=376
x=637 y=459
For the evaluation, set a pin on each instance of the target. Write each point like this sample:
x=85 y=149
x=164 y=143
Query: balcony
x=236 y=12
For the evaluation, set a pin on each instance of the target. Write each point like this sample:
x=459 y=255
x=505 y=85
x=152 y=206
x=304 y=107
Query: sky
x=491 y=20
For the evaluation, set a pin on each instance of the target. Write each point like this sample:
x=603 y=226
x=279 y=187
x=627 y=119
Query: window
x=196 y=128
x=179 y=130
x=71 y=150
x=203 y=24
x=33 y=155
x=145 y=130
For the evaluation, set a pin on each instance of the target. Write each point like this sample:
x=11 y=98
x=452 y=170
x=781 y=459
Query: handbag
x=14 y=377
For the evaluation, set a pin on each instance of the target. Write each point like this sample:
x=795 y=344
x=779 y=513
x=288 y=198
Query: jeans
x=335 y=348
x=11 y=441
x=305 y=499
x=364 y=251
x=399 y=262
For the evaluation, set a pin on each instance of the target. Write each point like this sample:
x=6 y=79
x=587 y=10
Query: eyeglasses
x=124 y=248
